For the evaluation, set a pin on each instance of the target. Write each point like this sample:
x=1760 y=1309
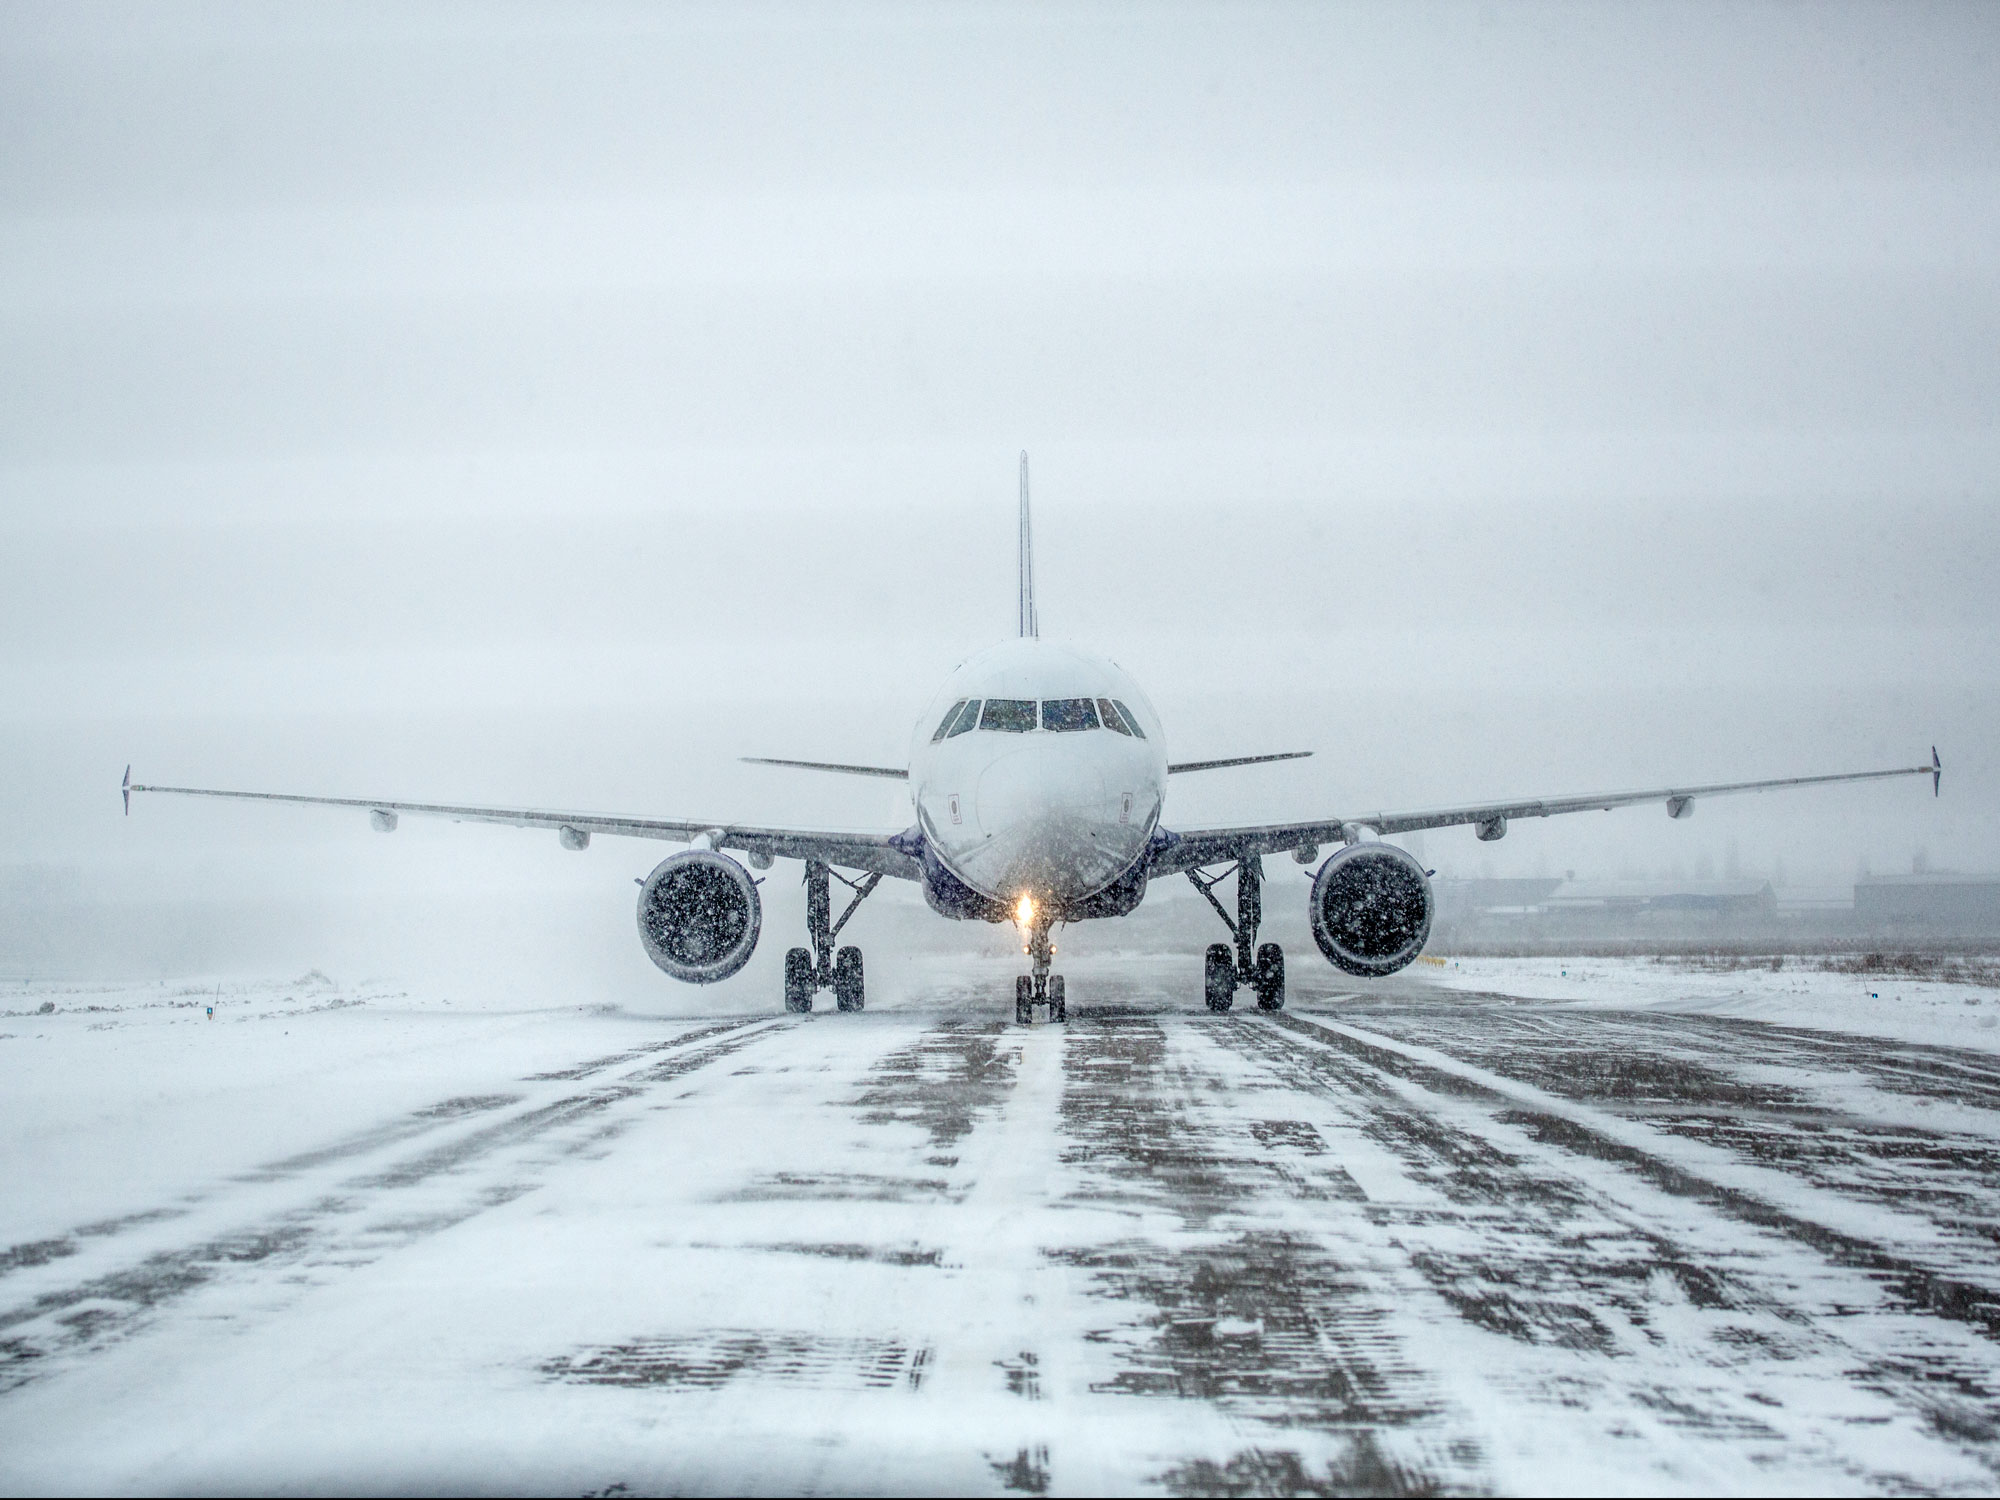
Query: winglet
x=1937 y=771
x=125 y=791
x=1030 y=628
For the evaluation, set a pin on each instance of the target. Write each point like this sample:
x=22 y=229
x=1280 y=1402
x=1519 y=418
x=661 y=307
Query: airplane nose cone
x=1039 y=784
x=1053 y=823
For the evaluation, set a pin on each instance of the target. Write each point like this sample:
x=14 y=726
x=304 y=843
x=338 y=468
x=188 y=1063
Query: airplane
x=1038 y=776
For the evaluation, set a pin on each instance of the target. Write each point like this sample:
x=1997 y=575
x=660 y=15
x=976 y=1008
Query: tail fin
x=1030 y=627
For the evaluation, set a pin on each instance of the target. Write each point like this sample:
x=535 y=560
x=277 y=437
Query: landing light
x=1025 y=912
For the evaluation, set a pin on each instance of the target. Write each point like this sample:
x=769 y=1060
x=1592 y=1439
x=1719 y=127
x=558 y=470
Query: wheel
x=1024 y=999
x=847 y=979
x=1270 y=977
x=1058 y=1004
x=1218 y=977
x=799 y=984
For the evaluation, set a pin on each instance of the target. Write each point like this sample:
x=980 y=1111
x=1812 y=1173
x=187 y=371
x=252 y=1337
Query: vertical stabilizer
x=1029 y=626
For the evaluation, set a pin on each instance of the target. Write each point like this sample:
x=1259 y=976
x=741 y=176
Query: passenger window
x=1011 y=715
x=1130 y=722
x=967 y=719
x=1065 y=715
x=1111 y=717
x=944 y=724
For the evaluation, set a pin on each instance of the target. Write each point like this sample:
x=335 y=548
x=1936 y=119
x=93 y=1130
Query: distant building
x=1636 y=899
x=1549 y=914
x=1554 y=911
x=1822 y=903
x=1472 y=897
x=1962 y=905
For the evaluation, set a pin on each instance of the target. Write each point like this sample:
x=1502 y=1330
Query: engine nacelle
x=1371 y=909
x=699 y=916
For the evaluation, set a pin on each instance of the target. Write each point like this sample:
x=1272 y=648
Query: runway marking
x=717 y=1356
x=1246 y=1309
x=1007 y=1307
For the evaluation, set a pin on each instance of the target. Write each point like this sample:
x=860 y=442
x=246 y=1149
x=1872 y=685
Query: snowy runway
x=1411 y=1242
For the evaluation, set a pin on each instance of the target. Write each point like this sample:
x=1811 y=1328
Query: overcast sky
x=556 y=403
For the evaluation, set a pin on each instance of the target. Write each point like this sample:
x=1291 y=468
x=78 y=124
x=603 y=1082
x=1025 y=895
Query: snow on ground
x=1949 y=1015
x=1398 y=1239
x=122 y=1090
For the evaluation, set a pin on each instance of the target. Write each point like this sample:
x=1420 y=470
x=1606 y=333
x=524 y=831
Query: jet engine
x=699 y=915
x=1371 y=909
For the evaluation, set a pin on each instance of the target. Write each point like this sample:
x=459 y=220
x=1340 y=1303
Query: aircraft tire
x=1218 y=976
x=1024 y=999
x=799 y=984
x=1270 y=977
x=847 y=985
x=1058 y=1001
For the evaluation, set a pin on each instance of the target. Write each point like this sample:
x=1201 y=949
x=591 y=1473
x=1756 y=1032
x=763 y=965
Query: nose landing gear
x=809 y=971
x=1041 y=987
x=1225 y=971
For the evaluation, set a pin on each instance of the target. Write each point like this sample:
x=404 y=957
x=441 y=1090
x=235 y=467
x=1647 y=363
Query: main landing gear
x=809 y=971
x=1262 y=969
x=1041 y=987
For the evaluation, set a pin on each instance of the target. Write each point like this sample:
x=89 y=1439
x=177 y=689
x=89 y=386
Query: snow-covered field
x=1618 y=1239
x=1797 y=994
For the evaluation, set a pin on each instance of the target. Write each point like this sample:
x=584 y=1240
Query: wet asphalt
x=1392 y=1242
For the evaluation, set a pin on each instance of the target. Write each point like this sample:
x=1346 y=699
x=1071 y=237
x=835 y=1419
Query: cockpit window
x=1068 y=714
x=968 y=717
x=1111 y=716
x=1131 y=723
x=944 y=724
x=1012 y=715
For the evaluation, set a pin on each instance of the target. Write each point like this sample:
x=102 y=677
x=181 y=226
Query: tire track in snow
x=1821 y=1219
x=1645 y=1295
x=326 y=1229
x=1783 y=1098
x=374 y=1139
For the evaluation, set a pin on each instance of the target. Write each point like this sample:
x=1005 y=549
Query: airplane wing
x=1179 y=766
x=827 y=765
x=882 y=853
x=1191 y=848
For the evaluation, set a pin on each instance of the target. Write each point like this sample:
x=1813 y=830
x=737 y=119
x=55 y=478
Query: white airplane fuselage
x=1051 y=788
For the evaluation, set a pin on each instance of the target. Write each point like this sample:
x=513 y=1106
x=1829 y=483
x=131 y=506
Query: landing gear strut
x=809 y=971
x=1224 y=970
x=1040 y=987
